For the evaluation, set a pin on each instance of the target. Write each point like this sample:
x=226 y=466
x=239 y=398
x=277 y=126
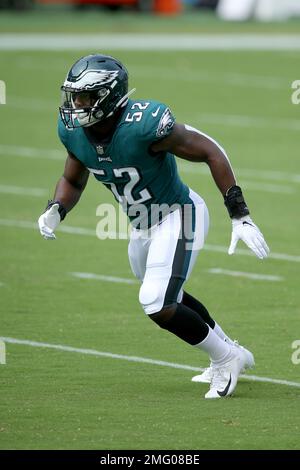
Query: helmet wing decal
x=92 y=79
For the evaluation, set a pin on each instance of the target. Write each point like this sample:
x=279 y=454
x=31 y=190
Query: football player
x=129 y=146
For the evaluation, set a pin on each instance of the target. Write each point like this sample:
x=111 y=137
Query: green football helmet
x=96 y=87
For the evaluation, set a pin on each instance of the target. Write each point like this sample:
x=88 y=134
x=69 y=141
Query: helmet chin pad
x=87 y=120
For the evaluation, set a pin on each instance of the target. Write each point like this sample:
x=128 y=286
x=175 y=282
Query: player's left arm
x=190 y=144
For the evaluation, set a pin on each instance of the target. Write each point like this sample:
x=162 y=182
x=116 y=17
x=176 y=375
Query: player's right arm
x=67 y=193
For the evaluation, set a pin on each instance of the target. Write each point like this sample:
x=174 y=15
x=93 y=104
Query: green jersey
x=138 y=178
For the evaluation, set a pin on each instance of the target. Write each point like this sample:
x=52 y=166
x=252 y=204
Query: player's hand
x=244 y=229
x=48 y=222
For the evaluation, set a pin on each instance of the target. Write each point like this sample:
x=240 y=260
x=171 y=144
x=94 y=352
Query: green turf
x=56 y=399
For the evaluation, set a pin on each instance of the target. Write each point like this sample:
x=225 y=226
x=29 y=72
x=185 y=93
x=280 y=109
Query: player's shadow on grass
x=248 y=389
x=260 y=390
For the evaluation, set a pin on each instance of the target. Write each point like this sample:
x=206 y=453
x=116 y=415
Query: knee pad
x=151 y=296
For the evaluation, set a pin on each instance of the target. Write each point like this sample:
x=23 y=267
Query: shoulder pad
x=158 y=122
x=154 y=120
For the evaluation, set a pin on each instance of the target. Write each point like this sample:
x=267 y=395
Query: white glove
x=48 y=222
x=247 y=231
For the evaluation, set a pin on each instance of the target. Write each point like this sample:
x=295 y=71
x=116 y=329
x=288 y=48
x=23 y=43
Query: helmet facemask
x=96 y=87
x=83 y=108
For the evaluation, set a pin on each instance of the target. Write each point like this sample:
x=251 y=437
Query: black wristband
x=61 y=210
x=235 y=202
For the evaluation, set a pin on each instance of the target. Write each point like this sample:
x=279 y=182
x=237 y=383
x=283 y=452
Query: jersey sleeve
x=157 y=123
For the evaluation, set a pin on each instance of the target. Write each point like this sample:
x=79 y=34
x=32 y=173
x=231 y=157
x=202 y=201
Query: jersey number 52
x=137 y=115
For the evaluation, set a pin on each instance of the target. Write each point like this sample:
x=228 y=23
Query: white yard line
x=122 y=236
x=53 y=154
x=18 y=223
x=32 y=152
x=144 y=42
x=259 y=122
x=190 y=75
x=267 y=175
x=253 y=276
x=249 y=185
x=101 y=277
x=144 y=360
x=227 y=120
x=121 y=280
x=246 y=252
x=196 y=76
x=267 y=188
x=34 y=104
x=62 y=228
x=21 y=191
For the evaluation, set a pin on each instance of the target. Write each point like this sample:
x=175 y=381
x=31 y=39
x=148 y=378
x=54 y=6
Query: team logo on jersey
x=104 y=159
x=165 y=124
x=99 y=149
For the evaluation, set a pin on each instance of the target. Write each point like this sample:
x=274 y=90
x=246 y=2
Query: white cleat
x=206 y=376
x=225 y=376
x=249 y=358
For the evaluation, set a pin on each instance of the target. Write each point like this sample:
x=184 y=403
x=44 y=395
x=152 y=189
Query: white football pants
x=163 y=257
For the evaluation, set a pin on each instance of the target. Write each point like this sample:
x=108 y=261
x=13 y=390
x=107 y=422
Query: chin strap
x=123 y=101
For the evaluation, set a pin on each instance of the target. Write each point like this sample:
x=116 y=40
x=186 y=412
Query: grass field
x=57 y=399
